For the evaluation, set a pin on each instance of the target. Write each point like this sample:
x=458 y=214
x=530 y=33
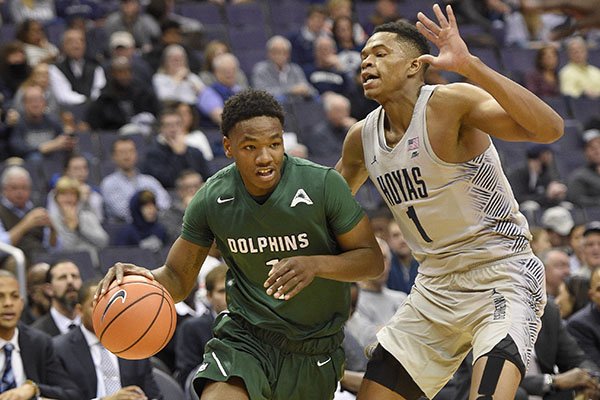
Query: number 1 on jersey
x=412 y=214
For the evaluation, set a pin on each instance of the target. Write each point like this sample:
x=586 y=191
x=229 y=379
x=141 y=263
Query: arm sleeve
x=99 y=83
x=195 y=223
x=343 y=211
x=585 y=337
x=62 y=89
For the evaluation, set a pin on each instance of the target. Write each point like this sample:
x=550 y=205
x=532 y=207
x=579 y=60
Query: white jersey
x=454 y=216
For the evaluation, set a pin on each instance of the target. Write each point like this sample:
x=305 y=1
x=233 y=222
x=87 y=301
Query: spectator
x=39 y=76
x=195 y=332
x=81 y=354
x=76 y=79
x=22 y=225
x=122 y=44
x=37 y=47
x=164 y=10
x=118 y=187
x=360 y=106
x=186 y=186
x=171 y=33
x=404 y=267
x=78 y=228
x=348 y=50
x=124 y=100
x=303 y=40
x=211 y=101
x=540 y=240
x=131 y=18
x=591 y=249
x=173 y=81
x=63 y=281
x=277 y=75
x=584 y=182
x=326 y=74
x=558 y=223
x=40 y=10
x=584 y=325
x=14 y=68
x=38 y=134
x=538 y=180
x=90 y=199
x=385 y=11
x=576 y=259
x=327 y=137
x=556 y=265
x=36 y=370
x=169 y=154
x=194 y=136
x=213 y=49
x=543 y=80
x=38 y=302
x=573 y=295
x=343 y=8
x=579 y=78
x=144 y=231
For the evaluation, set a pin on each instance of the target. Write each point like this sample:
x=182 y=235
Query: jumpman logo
x=374 y=160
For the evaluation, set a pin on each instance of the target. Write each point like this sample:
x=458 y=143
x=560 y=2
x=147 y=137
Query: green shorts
x=272 y=367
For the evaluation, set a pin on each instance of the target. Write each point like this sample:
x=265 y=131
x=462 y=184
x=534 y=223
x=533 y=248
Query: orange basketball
x=135 y=319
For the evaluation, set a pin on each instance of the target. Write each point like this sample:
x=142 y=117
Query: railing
x=19 y=257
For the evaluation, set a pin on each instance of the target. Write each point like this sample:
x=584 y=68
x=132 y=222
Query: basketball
x=135 y=319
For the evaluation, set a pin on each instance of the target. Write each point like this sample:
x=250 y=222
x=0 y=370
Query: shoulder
x=34 y=337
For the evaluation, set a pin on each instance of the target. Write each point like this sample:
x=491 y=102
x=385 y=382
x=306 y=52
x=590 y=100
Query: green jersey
x=309 y=207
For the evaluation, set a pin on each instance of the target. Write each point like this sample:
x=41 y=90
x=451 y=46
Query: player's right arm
x=352 y=163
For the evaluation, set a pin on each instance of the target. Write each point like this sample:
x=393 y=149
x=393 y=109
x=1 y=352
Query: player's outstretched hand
x=454 y=54
x=116 y=272
x=289 y=276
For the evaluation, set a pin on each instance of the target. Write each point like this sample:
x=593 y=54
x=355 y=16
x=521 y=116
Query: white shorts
x=444 y=317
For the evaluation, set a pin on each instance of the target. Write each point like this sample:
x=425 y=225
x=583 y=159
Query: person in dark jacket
x=144 y=231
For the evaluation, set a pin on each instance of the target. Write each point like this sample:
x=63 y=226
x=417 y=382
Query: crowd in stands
x=109 y=123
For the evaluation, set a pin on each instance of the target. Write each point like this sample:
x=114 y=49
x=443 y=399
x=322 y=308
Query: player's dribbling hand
x=454 y=54
x=116 y=272
x=289 y=276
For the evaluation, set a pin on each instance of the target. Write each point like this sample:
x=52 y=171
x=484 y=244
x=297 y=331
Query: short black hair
x=249 y=104
x=406 y=32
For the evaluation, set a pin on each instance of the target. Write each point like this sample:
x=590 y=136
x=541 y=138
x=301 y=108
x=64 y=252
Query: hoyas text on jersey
x=402 y=185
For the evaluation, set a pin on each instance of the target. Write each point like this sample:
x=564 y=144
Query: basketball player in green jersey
x=293 y=238
x=428 y=151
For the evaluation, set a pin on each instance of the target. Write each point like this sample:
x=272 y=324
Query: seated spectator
x=591 y=249
x=194 y=333
x=573 y=295
x=186 y=186
x=404 y=267
x=385 y=11
x=14 y=68
x=122 y=44
x=169 y=154
x=543 y=80
x=278 y=76
x=348 y=50
x=538 y=179
x=211 y=101
x=326 y=74
x=302 y=40
x=39 y=76
x=37 y=47
x=194 y=137
x=124 y=100
x=38 y=302
x=21 y=224
x=38 y=134
x=164 y=10
x=118 y=187
x=579 y=78
x=171 y=33
x=36 y=370
x=86 y=10
x=90 y=199
x=540 y=240
x=558 y=223
x=40 y=10
x=584 y=183
x=576 y=246
x=556 y=266
x=343 y=8
x=76 y=79
x=584 y=325
x=81 y=355
x=144 y=231
x=78 y=228
x=213 y=49
x=130 y=17
x=173 y=81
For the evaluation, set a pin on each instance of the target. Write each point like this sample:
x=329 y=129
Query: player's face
x=385 y=66
x=256 y=145
x=11 y=306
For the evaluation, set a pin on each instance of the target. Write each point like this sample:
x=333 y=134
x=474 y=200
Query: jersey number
x=412 y=214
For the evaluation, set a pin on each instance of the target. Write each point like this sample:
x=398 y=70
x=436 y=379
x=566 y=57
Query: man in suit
x=63 y=281
x=83 y=357
x=584 y=325
x=30 y=366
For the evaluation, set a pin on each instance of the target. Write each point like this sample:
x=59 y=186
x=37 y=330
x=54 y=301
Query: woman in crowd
x=37 y=47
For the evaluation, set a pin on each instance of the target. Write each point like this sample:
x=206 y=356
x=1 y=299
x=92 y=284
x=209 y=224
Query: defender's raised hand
x=454 y=53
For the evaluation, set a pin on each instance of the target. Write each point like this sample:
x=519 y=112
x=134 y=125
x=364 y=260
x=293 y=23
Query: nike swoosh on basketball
x=221 y=201
x=321 y=363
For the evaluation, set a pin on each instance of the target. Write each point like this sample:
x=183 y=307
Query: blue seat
x=287 y=15
x=247 y=38
x=249 y=58
x=363 y=11
x=108 y=256
x=245 y=14
x=518 y=59
x=204 y=11
x=8 y=32
x=489 y=56
x=584 y=109
x=559 y=104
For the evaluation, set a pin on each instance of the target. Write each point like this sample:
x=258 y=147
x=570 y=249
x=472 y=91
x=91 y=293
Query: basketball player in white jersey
x=428 y=151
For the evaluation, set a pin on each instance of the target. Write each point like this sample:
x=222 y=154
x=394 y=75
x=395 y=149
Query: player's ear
x=227 y=147
x=415 y=67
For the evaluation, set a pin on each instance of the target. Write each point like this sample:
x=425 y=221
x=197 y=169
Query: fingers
x=451 y=16
x=440 y=16
x=426 y=32
x=286 y=283
x=427 y=24
x=284 y=278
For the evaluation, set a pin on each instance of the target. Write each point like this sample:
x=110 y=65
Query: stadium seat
x=287 y=15
x=245 y=14
x=559 y=104
x=247 y=38
x=518 y=59
x=363 y=11
x=584 y=109
x=204 y=11
x=249 y=58
x=168 y=386
x=108 y=256
x=8 y=32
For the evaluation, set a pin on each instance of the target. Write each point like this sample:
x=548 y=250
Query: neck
x=71 y=314
x=129 y=172
x=8 y=333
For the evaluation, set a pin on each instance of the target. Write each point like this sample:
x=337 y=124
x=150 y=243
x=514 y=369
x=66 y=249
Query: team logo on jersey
x=301 y=197
x=202 y=367
x=222 y=200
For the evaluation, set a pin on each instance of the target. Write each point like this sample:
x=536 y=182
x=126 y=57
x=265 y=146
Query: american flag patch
x=413 y=143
